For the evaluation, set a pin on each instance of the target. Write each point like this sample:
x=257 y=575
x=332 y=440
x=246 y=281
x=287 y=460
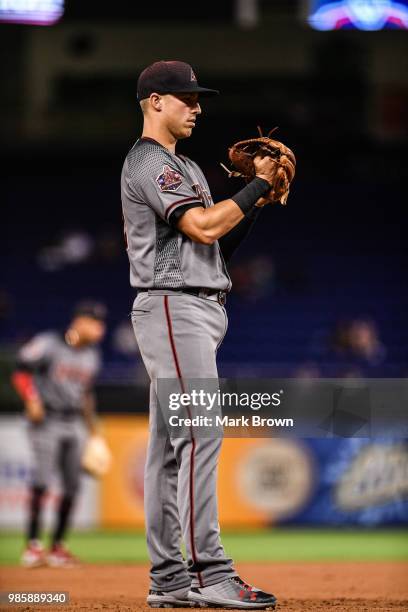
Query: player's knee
x=71 y=488
x=39 y=489
x=37 y=496
x=67 y=499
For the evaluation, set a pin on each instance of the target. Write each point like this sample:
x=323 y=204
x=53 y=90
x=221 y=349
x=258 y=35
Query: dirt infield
x=300 y=587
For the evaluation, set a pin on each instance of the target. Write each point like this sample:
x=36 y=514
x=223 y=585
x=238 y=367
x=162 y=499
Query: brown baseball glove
x=242 y=154
x=96 y=457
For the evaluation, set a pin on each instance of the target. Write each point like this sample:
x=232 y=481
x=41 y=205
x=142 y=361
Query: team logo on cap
x=169 y=179
x=193 y=76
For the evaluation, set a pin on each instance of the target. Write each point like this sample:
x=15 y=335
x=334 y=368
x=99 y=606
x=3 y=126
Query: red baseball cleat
x=232 y=593
x=34 y=555
x=60 y=556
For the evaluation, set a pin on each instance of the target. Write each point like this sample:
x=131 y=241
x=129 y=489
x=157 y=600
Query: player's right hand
x=34 y=410
x=265 y=168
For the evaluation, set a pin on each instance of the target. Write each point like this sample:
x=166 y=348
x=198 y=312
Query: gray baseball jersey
x=62 y=373
x=157 y=186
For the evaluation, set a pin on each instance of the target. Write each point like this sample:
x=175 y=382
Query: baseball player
x=54 y=378
x=178 y=243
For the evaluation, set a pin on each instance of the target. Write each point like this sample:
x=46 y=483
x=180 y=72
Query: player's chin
x=185 y=132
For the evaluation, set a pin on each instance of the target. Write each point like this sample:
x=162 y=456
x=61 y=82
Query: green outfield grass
x=265 y=545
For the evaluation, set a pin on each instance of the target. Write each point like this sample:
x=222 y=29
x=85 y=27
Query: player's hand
x=265 y=168
x=34 y=410
x=94 y=428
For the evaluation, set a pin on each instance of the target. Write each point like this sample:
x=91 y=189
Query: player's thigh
x=44 y=450
x=70 y=452
x=196 y=328
x=178 y=334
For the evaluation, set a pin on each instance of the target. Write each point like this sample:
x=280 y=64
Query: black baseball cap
x=89 y=308
x=170 y=77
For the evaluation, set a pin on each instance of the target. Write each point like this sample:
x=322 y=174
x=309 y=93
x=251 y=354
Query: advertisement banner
x=272 y=481
x=360 y=482
x=122 y=487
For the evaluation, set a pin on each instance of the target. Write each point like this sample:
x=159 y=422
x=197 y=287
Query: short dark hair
x=92 y=309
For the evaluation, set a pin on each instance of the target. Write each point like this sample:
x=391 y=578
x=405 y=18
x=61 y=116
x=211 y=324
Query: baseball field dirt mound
x=300 y=587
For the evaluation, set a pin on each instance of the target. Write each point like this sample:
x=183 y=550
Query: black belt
x=209 y=294
x=66 y=414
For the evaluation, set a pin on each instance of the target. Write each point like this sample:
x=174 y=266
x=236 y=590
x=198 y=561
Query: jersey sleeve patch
x=169 y=179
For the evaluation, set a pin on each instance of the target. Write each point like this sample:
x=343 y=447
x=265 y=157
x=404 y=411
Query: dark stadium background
x=332 y=263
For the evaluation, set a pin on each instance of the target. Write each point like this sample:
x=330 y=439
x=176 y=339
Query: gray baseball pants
x=178 y=336
x=57 y=447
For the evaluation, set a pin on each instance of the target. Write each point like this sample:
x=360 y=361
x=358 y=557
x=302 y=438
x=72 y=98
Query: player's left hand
x=34 y=410
x=270 y=159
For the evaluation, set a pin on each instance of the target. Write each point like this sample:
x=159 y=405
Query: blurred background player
x=54 y=378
